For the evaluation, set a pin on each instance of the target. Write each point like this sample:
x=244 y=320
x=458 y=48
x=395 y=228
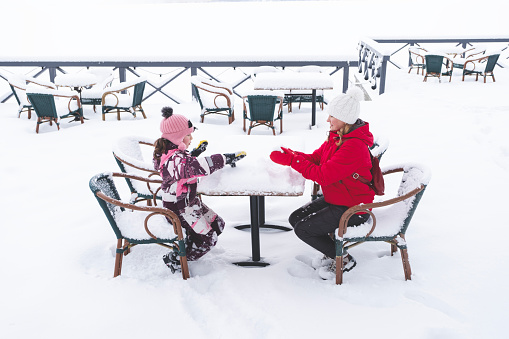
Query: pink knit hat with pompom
x=175 y=127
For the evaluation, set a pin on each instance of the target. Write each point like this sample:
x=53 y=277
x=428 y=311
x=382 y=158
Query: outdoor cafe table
x=295 y=81
x=77 y=81
x=256 y=177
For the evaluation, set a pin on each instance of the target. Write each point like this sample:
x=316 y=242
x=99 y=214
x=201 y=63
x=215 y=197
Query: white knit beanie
x=346 y=107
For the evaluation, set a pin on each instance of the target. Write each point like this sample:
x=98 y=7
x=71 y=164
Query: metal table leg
x=257 y=210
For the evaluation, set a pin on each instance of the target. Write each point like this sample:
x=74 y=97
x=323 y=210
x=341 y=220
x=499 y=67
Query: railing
x=375 y=54
x=180 y=70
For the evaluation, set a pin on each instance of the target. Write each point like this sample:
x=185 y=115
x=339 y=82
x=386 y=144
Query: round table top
x=76 y=80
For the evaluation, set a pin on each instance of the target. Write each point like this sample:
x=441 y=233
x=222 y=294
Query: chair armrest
x=343 y=222
x=153 y=210
x=220 y=92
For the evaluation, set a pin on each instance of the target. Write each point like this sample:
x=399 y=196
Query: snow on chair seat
x=113 y=100
x=389 y=218
x=214 y=97
x=135 y=225
x=129 y=157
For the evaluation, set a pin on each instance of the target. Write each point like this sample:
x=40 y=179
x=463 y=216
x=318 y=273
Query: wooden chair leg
x=118 y=259
x=339 y=270
x=30 y=112
x=143 y=113
x=184 y=267
x=37 y=126
x=104 y=116
x=394 y=249
x=406 y=264
x=118 y=114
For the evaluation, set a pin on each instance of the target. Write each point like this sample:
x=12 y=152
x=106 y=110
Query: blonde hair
x=342 y=131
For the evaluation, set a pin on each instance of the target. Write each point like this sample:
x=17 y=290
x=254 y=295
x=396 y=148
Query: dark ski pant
x=314 y=221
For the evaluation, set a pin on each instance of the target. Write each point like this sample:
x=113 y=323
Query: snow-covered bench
x=389 y=219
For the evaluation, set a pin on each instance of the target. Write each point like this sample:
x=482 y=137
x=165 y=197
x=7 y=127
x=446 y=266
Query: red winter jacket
x=332 y=167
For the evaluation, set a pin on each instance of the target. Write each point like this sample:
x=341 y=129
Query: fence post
x=194 y=71
x=346 y=75
x=383 y=74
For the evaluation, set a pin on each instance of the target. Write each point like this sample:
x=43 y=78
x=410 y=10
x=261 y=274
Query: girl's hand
x=202 y=146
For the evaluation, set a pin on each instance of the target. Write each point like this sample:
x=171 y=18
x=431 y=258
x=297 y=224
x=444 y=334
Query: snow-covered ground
x=57 y=249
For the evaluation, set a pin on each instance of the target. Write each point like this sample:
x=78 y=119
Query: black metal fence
x=172 y=72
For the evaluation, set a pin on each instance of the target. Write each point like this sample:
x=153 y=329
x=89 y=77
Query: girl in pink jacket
x=345 y=152
x=180 y=170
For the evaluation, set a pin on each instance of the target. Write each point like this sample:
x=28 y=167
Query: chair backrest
x=138 y=93
x=379 y=147
x=491 y=62
x=416 y=55
x=129 y=157
x=434 y=63
x=18 y=87
x=43 y=104
x=212 y=94
x=262 y=107
x=104 y=183
x=414 y=177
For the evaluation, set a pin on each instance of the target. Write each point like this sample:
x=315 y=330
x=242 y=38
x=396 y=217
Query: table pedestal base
x=257 y=210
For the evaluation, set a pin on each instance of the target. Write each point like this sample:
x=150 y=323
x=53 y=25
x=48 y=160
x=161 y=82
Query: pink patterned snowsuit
x=180 y=172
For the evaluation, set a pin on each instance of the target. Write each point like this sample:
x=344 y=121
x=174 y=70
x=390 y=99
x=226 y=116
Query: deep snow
x=57 y=248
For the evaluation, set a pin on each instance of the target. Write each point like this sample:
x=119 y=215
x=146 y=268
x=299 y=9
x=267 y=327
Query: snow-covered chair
x=129 y=157
x=50 y=109
x=93 y=95
x=18 y=84
x=214 y=97
x=483 y=66
x=378 y=149
x=114 y=101
x=416 y=59
x=135 y=224
x=389 y=219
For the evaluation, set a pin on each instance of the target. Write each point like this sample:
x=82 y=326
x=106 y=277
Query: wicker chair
x=136 y=225
x=416 y=59
x=214 y=97
x=389 y=219
x=435 y=65
x=114 y=101
x=263 y=111
x=483 y=66
x=50 y=110
x=129 y=157
x=18 y=84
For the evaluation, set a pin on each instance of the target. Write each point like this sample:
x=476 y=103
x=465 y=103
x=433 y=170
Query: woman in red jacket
x=332 y=166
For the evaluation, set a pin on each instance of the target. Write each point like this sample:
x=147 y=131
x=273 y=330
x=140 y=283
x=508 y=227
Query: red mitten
x=287 y=150
x=281 y=158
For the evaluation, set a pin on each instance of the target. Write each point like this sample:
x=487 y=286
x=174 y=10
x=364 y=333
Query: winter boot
x=172 y=260
x=348 y=263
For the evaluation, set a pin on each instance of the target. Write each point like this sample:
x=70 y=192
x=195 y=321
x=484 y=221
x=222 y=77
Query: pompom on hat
x=175 y=127
x=346 y=107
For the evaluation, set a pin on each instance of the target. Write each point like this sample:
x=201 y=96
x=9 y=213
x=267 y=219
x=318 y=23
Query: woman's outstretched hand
x=284 y=158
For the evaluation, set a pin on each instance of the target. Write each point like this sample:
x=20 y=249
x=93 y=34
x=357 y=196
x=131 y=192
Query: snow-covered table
x=295 y=81
x=76 y=81
x=255 y=176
